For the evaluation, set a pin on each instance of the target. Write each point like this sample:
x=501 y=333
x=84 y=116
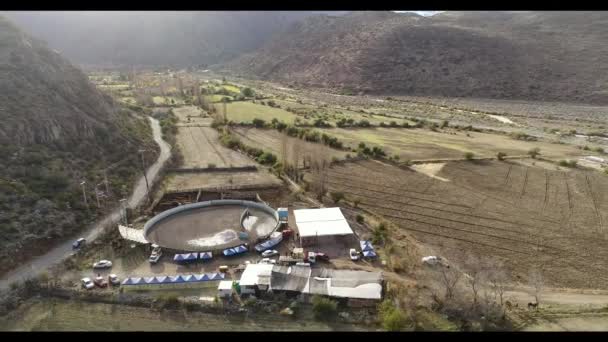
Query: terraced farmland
x=526 y=220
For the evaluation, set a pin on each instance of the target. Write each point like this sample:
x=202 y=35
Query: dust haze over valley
x=477 y=137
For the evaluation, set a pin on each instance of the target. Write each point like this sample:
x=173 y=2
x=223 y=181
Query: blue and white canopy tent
x=185 y=257
x=236 y=250
x=369 y=254
x=205 y=256
x=366 y=245
x=177 y=279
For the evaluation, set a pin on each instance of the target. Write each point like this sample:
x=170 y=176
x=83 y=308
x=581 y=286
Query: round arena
x=211 y=225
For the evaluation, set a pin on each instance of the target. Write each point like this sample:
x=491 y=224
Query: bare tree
x=497 y=279
x=475 y=275
x=537 y=282
x=294 y=160
x=319 y=165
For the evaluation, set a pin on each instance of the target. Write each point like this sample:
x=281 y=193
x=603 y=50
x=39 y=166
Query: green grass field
x=247 y=111
x=217 y=98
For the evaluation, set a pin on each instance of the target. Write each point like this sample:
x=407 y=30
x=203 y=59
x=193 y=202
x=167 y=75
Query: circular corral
x=211 y=225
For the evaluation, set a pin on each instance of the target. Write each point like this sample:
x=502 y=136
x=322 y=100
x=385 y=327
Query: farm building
x=320 y=226
x=255 y=277
x=354 y=288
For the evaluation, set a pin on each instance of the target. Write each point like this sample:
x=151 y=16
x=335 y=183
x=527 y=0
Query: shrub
x=247 y=92
x=360 y=219
x=323 y=308
x=534 y=152
x=586 y=148
x=258 y=123
x=211 y=166
x=356 y=202
x=599 y=150
x=445 y=124
x=501 y=155
x=567 y=163
x=364 y=123
x=336 y=196
x=394 y=321
x=267 y=158
x=393 y=124
x=469 y=155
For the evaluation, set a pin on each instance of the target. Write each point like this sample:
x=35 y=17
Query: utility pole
x=105 y=180
x=84 y=193
x=123 y=206
x=97 y=196
x=143 y=168
x=225 y=113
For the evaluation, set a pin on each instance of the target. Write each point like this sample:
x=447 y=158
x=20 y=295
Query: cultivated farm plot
x=272 y=140
x=420 y=144
x=214 y=180
x=185 y=112
x=200 y=147
x=244 y=111
x=523 y=215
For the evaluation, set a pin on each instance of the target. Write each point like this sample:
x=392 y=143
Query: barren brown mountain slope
x=516 y=55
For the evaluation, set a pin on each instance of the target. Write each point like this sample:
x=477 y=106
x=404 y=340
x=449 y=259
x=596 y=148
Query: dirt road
x=523 y=296
x=60 y=252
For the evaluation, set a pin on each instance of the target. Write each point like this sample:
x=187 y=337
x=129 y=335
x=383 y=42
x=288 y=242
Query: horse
x=533 y=306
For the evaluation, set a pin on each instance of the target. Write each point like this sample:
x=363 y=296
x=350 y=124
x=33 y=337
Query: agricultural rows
x=454 y=219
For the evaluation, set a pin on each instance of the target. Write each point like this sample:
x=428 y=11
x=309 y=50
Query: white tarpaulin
x=319 y=222
x=132 y=234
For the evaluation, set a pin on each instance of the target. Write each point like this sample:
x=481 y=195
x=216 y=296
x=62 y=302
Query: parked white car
x=269 y=253
x=87 y=283
x=354 y=255
x=114 y=281
x=433 y=260
x=102 y=264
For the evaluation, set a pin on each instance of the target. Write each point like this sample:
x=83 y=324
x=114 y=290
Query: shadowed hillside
x=56 y=130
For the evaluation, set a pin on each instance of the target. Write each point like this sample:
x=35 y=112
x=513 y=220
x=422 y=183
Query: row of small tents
x=367 y=249
x=208 y=255
x=193 y=256
x=178 y=279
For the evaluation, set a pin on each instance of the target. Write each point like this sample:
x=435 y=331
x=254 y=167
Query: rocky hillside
x=154 y=38
x=56 y=130
x=515 y=55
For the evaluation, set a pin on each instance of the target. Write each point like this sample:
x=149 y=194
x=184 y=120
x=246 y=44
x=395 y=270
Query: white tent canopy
x=320 y=222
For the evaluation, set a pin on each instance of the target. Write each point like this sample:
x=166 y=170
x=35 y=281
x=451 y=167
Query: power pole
x=97 y=195
x=123 y=206
x=84 y=193
x=105 y=180
x=225 y=114
x=143 y=168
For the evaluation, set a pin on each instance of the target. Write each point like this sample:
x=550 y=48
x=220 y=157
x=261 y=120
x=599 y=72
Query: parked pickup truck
x=289 y=260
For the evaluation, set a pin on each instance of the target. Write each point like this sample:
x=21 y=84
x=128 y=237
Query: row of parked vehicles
x=100 y=281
